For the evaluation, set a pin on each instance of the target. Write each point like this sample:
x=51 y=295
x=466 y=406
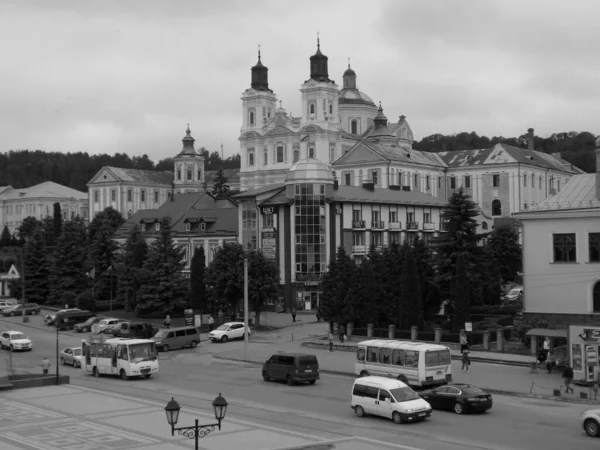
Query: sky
x=104 y=76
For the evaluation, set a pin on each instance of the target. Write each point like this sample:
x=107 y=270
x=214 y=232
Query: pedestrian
x=318 y=318
x=464 y=344
x=211 y=323
x=542 y=357
x=293 y=315
x=330 y=338
x=551 y=363
x=568 y=378
x=220 y=315
x=466 y=361
x=546 y=346
x=45 y=365
x=342 y=336
x=167 y=321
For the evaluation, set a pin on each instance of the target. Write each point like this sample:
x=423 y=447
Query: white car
x=105 y=324
x=227 y=331
x=4 y=304
x=591 y=422
x=15 y=340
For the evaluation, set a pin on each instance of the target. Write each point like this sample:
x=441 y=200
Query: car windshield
x=142 y=352
x=514 y=292
x=16 y=336
x=77 y=351
x=223 y=327
x=161 y=334
x=404 y=394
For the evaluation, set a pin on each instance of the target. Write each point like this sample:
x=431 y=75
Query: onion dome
x=318 y=65
x=309 y=170
x=188 y=143
x=381 y=130
x=260 y=76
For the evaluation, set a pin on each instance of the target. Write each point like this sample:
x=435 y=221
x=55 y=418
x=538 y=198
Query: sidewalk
x=496 y=378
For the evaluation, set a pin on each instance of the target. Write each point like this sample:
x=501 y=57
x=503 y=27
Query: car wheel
x=458 y=408
x=148 y=375
x=266 y=376
x=193 y=344
x=165 y=348
x=359 y=411
x=592 y=428
x=289 y=380
x=403 y=379
x=85 y=330
x=124 y=376
x=224 y=339
x=397 y=417
x=364 y=373
x=62 y=361
x=312 y=381
x=77 y=365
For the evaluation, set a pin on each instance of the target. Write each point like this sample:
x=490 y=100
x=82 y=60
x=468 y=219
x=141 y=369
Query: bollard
x=534 y=345
x=414 y=333
x=500 y=340
x=392 y=331
x=349 y=330
x=486 y=340
x=438 y=335
x=369 y=330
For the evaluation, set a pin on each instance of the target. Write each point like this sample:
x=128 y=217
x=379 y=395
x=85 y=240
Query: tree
x=432 y=300
x=109 y=217
x=220 y=187
x=461 y=298
x=410 y=294
x=394 y=262
x=263 y=280
x=129 y=268
x=57 y=220
x=358 y=306
x=5 y=237
x=163 y=286
x=225 y=275
x=37 y=268
x=197 y=284
x=28 y=227
x=506 y=252
x=102 y=248
x=337 y=303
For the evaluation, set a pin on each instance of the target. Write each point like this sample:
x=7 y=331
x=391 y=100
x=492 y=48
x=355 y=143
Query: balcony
x=413 y=226
x=377 y=224
x=358 y=224
x=395 y=225
x=359 y=249
x=429 y=226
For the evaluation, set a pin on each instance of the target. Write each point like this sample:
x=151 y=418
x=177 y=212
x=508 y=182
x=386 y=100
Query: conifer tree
x=462 y=304
x=410 y=293
x=337 y=290
x=129 y=267
x=37 y=268
x=102 y=249
x=57 y=220
x=220 y=186
x=5 y=237
x=197 y=282
x=225 y=275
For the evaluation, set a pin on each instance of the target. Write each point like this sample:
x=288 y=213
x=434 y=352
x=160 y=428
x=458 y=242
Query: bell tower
x=188 y=174
x=258 y=102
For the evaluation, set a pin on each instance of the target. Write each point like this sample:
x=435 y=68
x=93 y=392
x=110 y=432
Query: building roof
x=389 y=152
x=578 y=193
x=506 y=154
x=309 y=170
x=47 y=189
x=140 y=176
x=354 y=96
x=258 y=191
x=360 y=194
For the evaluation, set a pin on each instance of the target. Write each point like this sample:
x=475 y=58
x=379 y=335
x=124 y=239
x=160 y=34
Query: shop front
x=307 y=295
x=584 y=344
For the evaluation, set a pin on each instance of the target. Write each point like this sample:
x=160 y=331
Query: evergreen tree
x=37 y=269
x=506 y=252
x=5 y=237
x=28 y=227
x=129 y=268
x=384 y=305
x=225 y=275
x=109 y=217
x=163 y=286
x=220 y=187
x=394 y=262
x=432 y=300
x=197 y=283
x=462 y=305
x=102 y=249
x=57 y=220
x=263 y=281
x=48 y=231
x=67 y=274
x=361 y=308
x=410 y=293
x=337 y=290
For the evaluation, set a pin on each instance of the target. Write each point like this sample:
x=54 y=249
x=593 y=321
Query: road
x=194 y=377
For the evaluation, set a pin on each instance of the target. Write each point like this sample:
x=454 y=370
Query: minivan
x=389 y=398
x=66 y=320
x=170 y=338
x=292 y=368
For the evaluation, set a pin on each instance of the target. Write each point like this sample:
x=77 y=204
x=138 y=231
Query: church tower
x=259 y=102
x=189 y=167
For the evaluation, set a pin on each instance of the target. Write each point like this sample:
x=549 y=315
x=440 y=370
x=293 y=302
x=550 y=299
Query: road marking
x=28 y=444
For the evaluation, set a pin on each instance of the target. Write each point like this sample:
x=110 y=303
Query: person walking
x=293 y=315
x=568 y=378
x=167 y=322
x=466 y=361
x=211 y=323
x=330 y=338
x=464 y=343
x=45 y=365
x=550 y=363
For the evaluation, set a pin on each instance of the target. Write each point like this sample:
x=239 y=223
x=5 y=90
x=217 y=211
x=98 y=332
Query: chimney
x=530 y=141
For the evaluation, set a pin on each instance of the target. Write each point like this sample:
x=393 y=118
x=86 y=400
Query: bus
x=413 y=363
x=119 y=356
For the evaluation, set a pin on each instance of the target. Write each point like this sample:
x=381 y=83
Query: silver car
x=71 y=356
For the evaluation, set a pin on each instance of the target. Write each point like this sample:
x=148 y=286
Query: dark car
x=17 y=310
x=292 y=368
x=460 y=398
x=133 y=330
x=86 y=327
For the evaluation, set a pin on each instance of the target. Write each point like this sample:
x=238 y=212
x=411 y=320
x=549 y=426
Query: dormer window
x=157 y=226
x=188 y=227
x=143 y=227
x=202 y=226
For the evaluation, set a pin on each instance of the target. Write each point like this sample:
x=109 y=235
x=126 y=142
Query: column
x=370 y=330
x=392 y=332
x=500 y=340
x=438 y=335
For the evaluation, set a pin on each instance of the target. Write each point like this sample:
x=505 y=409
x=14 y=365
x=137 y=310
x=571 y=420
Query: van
x=389 y=398
x=292 y=368
x=170 y=338
x=66 y=320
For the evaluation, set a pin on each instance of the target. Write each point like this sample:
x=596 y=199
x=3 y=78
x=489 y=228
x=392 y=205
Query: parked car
x=66 y=320
x=86 y=327
x=132 y=330
x=4 y=304
x=227 y=331
x=591 y=422
x=15 y=340
x=458 y=397
x=105 y=324
x=515 y=295
x=292 y=368
x=180 y=337
x=49 y=319
x=17 y=310
x=71 y=356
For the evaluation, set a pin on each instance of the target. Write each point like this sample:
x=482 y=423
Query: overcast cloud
x=127 y=76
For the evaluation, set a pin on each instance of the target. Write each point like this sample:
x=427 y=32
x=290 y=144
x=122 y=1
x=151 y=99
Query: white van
x=388 y=398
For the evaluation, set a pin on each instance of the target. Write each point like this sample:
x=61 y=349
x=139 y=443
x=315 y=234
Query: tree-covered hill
x=24 y=168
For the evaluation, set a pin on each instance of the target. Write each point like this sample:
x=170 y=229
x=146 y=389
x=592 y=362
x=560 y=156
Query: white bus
x=119 y=356
x=413 y=363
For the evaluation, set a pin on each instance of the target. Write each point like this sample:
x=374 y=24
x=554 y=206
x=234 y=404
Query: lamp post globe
x=172 y=410
x=220 y=407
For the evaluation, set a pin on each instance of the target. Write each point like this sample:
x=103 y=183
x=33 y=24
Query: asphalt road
x=194 y=377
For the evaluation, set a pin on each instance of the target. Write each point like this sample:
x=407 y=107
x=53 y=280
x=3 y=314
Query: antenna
x=318 y=41
x=259 y=52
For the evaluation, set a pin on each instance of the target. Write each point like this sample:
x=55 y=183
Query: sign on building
x=269 y=243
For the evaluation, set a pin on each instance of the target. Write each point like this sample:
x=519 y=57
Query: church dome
x=309 y=170
x=349 y=72
x=355 y=96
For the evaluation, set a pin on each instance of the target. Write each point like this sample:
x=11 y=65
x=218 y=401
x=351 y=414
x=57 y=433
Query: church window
x=280 y=153
x=348 y=178
x=360 y=177
x=251 y=158
x=296 y=155
x=129 y=195
x=143 y=195
x=155 y=196
x=354 y=127
x=266 y=159
x=199 y=175
x=189 y=173
x=331 y=154
x=251 y=117
x=330 y=108
x=496 y=208
x=525 y=180
x=96 y=196
x=311 y=152
x=312 y=108
x=178 y=174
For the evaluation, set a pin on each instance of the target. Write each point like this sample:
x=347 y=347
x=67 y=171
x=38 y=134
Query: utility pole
x=246 y=328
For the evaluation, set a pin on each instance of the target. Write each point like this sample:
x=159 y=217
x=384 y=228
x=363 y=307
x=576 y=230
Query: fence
x=475 y=338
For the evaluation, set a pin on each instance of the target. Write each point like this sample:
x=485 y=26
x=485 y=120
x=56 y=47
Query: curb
x=491 y=391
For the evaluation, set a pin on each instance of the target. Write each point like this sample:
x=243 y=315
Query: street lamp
x=27 y=240
x=196 y=431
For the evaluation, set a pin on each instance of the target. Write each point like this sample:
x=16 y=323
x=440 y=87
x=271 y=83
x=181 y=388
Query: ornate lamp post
x=196 y=431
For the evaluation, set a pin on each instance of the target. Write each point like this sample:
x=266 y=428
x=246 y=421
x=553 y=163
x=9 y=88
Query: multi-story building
x=132 y=190
x=300 y=223
x=38 y=201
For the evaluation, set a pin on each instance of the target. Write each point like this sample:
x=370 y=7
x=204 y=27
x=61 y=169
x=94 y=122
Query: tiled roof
x=578 y=193
x=381 y=195
x=278 y=199
x=47 y=189
x=396 y=153
x=142 y=176
x=258 y=191
x=224 y=221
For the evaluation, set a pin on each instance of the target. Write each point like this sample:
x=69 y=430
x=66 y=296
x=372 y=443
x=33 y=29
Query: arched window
x=596 y=298
x=484 y=225
x=251 y=117
x=311 y=152
x=266 y=159
x=251 y=158
x=296 y=155
x=354 y=127
x=312 y=108
x=330 y=108
x=496 y=208
x=189 y=173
